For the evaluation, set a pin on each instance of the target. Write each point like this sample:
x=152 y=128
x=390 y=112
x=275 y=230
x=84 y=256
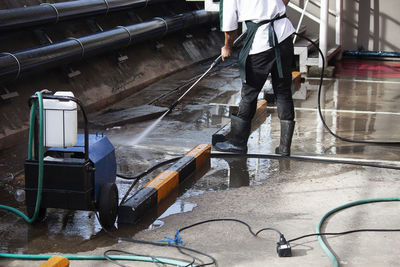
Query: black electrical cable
x=231 y=220
x=344 y=233
x=255 y=234
x=123 y=252
x=213 y=261
x=143 y=174
x=143 y=242
x=127 y=192
x=148 y=243
x=154 y=258
x=281 y=235
x=319 y=104
x=277 y=231
x=194 y=258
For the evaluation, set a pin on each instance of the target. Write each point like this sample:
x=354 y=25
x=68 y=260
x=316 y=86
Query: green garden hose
x=40 y=159
x=95 y=257
x=345 y=206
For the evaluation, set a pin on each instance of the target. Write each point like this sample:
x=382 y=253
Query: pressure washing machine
x=79 y=170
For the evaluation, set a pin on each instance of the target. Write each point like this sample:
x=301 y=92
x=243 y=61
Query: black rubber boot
x=287 y=128
x=237 y=141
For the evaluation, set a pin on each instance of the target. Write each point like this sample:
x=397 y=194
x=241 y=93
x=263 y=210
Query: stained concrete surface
x=130 y=115
x=288 y=195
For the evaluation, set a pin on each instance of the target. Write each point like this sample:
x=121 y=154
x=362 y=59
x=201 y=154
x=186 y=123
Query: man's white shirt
x=234 y=11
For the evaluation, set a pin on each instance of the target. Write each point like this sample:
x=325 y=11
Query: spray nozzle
x=173 y=105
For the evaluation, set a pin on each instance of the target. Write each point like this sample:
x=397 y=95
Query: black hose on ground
x=319 y=105
x=303 y=158
x=143 y=174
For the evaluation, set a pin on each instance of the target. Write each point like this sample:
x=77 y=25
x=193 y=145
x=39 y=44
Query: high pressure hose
x=303 y=158
x=40 y=159
x=319 y=104
x=139 y=176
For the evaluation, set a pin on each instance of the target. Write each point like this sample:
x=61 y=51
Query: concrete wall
x=370 y=25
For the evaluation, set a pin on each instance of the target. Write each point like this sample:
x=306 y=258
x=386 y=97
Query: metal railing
x=323 y=21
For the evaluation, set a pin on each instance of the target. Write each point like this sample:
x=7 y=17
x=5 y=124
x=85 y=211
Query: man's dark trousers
x=258 y=67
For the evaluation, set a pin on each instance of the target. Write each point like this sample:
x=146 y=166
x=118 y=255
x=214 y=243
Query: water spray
x=176 y=102
x=215 y=63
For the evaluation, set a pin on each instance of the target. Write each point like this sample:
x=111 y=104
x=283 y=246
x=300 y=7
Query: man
x=268 y=49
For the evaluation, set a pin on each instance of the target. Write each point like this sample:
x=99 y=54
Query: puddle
x=180 y=206
x=62 y=231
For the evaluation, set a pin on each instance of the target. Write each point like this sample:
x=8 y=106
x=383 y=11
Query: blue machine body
x=101 y=154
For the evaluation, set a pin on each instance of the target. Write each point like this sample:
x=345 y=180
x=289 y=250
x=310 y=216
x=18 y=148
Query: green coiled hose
x=40 y=158
x=95 y=257
x=342 y=207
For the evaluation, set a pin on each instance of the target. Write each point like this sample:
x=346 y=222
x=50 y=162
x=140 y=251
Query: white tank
x=60 y=121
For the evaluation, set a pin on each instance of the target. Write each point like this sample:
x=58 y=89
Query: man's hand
x=227 y=50
x=286 y=2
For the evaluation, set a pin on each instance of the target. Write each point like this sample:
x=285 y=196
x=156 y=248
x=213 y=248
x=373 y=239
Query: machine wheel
x=41 y=215
x=108 y=204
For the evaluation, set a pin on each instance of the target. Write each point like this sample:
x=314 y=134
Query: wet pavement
x=287 y=194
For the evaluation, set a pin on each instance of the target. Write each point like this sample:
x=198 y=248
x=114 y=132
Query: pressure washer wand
x=215 y=62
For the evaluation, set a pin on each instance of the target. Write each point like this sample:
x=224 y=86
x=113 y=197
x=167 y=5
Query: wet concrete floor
x=286 y=194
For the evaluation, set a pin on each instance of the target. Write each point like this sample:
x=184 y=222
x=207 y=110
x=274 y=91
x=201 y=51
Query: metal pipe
x=339 y=23
x=53 y=13
x=300 y=20
x=307 y=14
x=72 y=49
x=323 y=31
